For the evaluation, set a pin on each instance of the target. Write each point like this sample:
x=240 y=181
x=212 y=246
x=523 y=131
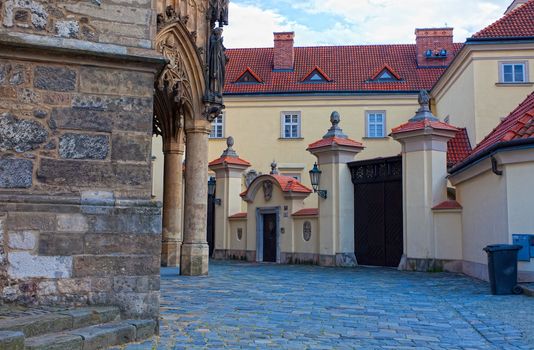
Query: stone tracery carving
x=173 y=90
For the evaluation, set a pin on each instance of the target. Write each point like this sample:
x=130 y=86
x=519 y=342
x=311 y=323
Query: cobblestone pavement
x=256 y=306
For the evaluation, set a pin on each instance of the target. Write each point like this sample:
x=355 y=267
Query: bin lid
x=501 y=247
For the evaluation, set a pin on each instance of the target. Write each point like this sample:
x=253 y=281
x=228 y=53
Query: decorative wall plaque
x=268 y=190
x=239 y=234
x=306 y=231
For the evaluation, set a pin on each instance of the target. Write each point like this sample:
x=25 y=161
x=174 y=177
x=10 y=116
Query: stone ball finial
x=335 y=118
x=274 y=168
x=230 y=141
x=424 y=98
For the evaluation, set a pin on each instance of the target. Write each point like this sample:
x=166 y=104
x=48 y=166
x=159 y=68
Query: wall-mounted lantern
x=212 y=184
x=315 y=177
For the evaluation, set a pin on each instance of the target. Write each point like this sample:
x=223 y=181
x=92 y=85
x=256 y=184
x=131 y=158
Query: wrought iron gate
x=378 y=217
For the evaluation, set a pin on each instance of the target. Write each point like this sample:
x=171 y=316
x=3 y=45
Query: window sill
x=376 y=138
x=218 y=138
x=514 y=84
x=291 y=138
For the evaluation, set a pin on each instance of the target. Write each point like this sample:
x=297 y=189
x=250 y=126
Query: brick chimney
x=284 y=53
x=434 y=47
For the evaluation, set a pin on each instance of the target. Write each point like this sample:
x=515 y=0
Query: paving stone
x=11 y=340
x=257 y=306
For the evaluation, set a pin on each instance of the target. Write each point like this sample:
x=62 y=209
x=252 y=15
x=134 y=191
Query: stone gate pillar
x=172 y=204
x=195 y=249
x=228 y=170
x=336 y=212
x=424 y=156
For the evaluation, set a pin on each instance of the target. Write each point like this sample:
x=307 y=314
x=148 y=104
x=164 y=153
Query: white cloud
x=357 y=21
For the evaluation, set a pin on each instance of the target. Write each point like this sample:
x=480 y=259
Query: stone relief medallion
x=307 y=231
x=239 y=234
x=267 y=190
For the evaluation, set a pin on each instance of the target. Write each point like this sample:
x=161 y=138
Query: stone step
x=96 y=337
x=58 y=321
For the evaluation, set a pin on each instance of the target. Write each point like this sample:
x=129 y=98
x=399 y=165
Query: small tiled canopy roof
x=518 y=125
x=290 y=184
x=458 y=148
x=350 y=69
x=334 y=140
x=287 y=184
x=229 y=160
x=422 y=124
x=307 y=212
x=518 y=23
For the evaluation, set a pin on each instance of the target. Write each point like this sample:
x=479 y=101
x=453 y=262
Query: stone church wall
x=77 y=223
x=128 y=23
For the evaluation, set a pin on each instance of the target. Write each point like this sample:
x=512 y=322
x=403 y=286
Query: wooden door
x=269 y=237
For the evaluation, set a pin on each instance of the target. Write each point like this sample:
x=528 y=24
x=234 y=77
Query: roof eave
x=500 y=40
x=488 y=152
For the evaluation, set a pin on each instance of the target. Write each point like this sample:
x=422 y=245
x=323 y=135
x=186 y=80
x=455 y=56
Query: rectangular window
x=293 y=175
x=376 y=124
x=217 y=127
x=290 y=125
x=513 y=72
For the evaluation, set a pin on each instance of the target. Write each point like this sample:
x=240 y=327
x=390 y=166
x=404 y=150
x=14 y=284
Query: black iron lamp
x=212 y=184
x=315 y=177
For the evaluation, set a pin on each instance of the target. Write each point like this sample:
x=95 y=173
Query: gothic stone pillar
x=195 y=250
x=172 y=204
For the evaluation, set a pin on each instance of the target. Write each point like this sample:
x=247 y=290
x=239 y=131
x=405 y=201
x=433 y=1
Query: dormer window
x=385 y=74
x=248 y=77
x=316 y=75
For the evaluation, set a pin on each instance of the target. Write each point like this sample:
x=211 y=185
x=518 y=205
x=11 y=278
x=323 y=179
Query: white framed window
x=217 y=127
x=290 y=125
x=375 y=124
x=513 y=72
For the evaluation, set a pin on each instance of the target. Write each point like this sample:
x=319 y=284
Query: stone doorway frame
x=260 y=212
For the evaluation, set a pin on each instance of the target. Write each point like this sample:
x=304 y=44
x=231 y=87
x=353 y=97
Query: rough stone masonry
x=77 y=224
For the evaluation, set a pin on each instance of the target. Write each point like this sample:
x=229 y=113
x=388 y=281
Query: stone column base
x=194 y=259
x=170 y=254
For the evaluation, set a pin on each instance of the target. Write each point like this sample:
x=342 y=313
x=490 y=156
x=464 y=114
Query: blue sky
x=353 y=22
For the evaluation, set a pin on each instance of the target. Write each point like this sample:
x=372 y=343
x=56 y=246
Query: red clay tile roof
x=307 y=212
x=349 y=67
x=518 y=23
x=229 y=160
x=448 y=205
x=238 y=216
x=517 y=125
x=422 y=124
x=334 y=140
x=290 y=184
x=458 y=148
